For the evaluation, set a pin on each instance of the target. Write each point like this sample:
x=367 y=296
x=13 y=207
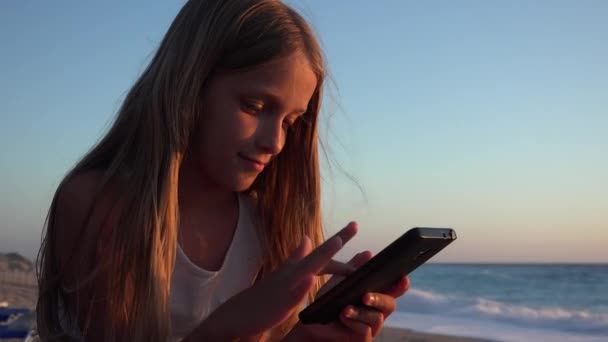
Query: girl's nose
x=271 y=137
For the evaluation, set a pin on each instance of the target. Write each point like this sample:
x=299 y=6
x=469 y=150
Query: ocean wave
x=554 y=318
x=428 y=296
x=571 y=320
x=495 y=274
x=484 y=329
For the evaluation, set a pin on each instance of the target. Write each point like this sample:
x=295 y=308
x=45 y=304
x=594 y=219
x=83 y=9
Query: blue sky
x=490 y=117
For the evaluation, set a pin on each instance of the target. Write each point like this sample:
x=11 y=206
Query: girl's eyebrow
x=269 y=95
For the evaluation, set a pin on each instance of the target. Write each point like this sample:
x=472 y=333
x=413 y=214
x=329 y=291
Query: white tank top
x=196 y=292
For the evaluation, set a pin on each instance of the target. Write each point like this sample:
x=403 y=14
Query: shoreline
x=394 y=334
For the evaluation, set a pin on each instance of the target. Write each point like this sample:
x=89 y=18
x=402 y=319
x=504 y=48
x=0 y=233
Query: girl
x=197 y=216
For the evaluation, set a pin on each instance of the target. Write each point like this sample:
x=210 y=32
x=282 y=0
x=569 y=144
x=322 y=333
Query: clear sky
x=490 y=117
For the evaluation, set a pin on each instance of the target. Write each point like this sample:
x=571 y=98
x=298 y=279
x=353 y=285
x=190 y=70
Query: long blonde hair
x=144 y=148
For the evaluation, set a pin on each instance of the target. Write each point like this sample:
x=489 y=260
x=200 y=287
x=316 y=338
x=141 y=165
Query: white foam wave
x=554 y=318
x=428 y=295
x=496 y=331
x=557 y=317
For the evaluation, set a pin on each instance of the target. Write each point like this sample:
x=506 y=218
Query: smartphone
x=395 y=261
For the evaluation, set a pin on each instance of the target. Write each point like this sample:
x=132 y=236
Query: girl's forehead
x=288 y=77
x=292 y=67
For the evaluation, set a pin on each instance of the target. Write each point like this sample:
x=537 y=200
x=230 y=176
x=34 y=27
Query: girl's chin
x=243 y=183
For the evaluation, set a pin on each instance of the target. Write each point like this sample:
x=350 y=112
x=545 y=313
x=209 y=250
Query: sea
x=507 y=302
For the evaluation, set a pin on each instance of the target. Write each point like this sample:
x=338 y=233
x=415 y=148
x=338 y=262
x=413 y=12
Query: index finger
x=322 y=255
x=348 y=232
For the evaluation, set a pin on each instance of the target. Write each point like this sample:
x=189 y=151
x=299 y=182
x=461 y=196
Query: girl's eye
x=252 y=107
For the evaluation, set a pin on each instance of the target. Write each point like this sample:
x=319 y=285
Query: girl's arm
x=273 y=299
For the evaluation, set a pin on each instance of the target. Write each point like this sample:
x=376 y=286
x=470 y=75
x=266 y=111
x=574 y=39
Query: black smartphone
x=395 y=261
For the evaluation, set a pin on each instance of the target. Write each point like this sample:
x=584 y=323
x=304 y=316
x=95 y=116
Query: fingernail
x=367 y=254
x=369 y=299
x=350 y=312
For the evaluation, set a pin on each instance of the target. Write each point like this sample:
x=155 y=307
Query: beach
x=17 y=290
x=391 y=334
x=18 y=296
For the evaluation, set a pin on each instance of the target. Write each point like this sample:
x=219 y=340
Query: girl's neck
x=195 y=192
x=208 y=218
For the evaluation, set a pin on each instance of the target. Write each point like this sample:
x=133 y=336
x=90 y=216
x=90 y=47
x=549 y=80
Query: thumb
x=301 y=251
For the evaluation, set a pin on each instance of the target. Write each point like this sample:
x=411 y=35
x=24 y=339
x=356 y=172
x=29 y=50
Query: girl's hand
x=275 y=297
x=356 y=323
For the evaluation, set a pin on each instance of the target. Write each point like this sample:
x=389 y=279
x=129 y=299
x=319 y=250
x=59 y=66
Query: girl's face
x=247 y=117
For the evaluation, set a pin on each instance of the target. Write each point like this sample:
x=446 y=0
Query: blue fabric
x=7 y=332
x=16 y=328
x=5 y=313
